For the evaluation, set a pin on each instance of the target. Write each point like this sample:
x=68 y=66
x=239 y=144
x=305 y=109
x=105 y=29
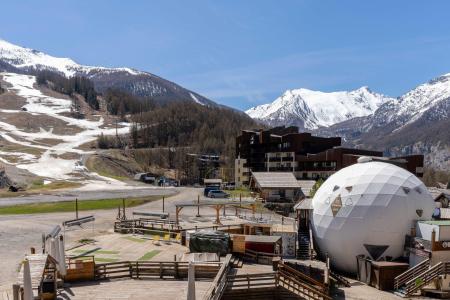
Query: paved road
x=68 y=195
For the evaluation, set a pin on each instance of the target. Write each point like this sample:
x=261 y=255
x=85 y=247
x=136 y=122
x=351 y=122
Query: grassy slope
x=68 y=206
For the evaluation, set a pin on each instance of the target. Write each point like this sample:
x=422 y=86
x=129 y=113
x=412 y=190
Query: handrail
x=411 y=273
x=424 y=278
x=301 y=276
x=217 y=287
x=300 y=288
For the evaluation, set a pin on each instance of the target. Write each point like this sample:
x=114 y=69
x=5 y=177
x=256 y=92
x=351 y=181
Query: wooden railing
x=418 y=269
x=304 y=290
x=250 y=281
x=140 y=269
x=260 y=257
x=219 y=283
x=423 y=279
x=287 y=270
x=145 y=225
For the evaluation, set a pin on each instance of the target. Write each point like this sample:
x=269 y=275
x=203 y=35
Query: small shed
x=384 y=273
x=263 y=243
x=43 y=275
x=277 y=186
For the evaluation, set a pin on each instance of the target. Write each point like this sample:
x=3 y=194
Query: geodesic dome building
x=367 y=209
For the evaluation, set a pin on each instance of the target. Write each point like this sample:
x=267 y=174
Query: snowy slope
x=313 y=109
x=412 y=105
x=28 y=58
x=136 y=82
x=418 y=122
x=60 y=158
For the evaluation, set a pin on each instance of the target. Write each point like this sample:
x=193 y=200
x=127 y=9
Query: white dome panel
x=367 y=208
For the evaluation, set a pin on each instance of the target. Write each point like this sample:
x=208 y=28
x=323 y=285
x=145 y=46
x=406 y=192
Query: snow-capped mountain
x=314 y=109
x=417 y=122
x=13 y=57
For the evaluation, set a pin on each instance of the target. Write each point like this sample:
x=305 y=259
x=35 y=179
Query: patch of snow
x=196 y=99
x=50 y=164
x=22 y=57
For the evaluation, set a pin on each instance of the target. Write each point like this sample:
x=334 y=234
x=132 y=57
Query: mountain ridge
x=14 y=58
x=311 y=109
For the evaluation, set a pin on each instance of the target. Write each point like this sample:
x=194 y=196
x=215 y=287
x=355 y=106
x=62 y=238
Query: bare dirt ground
x=20 y=232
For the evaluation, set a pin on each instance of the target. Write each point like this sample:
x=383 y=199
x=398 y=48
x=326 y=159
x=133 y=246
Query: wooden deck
x=131 y=289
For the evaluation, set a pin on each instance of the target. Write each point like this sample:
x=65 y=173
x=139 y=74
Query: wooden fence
x=146 y=269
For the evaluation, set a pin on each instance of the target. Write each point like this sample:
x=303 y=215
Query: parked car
x=208 y=189
x=217 y=194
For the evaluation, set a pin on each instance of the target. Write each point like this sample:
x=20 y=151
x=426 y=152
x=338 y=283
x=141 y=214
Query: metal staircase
x=303 y=251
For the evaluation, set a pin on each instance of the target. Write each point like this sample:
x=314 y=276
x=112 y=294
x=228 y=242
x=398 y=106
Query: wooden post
x=76 y=208
x=198 y=205
x=433 y=239
x=16 y=288
x=240 y=200
x=137 y=269
x=123 y=204
x=218 y=207
x=163 y=203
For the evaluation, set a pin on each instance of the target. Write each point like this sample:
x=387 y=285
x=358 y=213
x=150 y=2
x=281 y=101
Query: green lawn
x=68 y=206
x=244 y=192
x=104 y=259
x=95 y=251
x=149 y=255
x=133 y=239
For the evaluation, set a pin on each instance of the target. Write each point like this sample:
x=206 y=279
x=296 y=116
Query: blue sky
x=244 y=53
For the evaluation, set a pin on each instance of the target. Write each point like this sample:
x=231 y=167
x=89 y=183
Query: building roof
x=306 y=186
x=436 y=192
x=262 y=238
x=443 y=194
x=437 y=222
x=275 y=180
x=304 y=204
x=209 y=181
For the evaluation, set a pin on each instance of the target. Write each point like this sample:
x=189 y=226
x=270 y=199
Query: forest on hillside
x=68 y=86
x=207 y=130
x=176 y=125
